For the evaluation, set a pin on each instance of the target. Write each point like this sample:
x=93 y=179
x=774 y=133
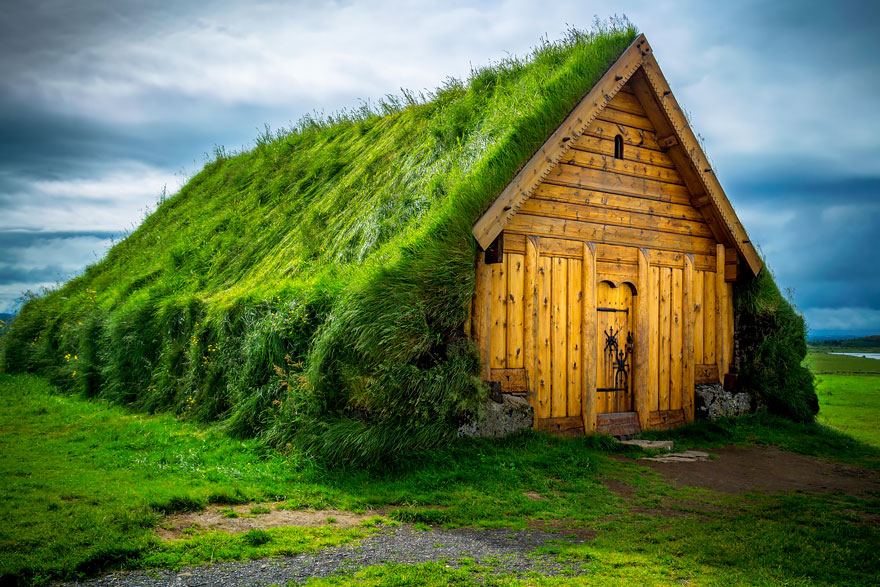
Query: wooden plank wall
x=529 y=311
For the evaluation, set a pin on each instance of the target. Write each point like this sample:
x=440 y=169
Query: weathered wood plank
x=530 y=313
x=559 y=346
x=642 y=336
x=665 y=334
x=629 y=119
x=482 y=330
x=564 y=426
x=616 y=235
x=626 y=103
x=512 y=380
x=631 y=136
x=605 y=146
x=706 y=373
x=544 y=383
x=588 y=339
x=499 y=315
x=653 y=207
x=687 y=381
x=676 y=374
x=654 y=325
x=720 y=314
x=730 y=326
x=574 y=337
x=517 y=191
x=708 y=317
x=584 y=177
x=698 y=316
x=515 y=309
x=619 y=424
x=666 y=420
x=574 y=211
x=610 y=164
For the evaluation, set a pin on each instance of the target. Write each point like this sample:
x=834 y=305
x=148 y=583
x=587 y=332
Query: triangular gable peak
x=638 y=69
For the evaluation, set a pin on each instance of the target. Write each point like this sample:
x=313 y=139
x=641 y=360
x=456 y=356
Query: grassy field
x=849 y=394
x=85 y=483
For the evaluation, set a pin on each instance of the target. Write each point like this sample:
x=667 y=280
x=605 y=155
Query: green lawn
x=849 y=394
x=84 y=484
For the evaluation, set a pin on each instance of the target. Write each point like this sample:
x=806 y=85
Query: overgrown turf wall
x=772 y=343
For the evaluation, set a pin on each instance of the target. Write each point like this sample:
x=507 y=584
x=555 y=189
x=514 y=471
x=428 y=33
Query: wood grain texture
x=654 y=325
x=720 y=314
x=530 y=312
x=641 y=370
x=574 y=338
x=589 y=360
x=698 y=316
x=622 y=202
x=558 y=345
x=515 y=309
x=676 y=341
x=498 y=315
x=709 y=318
x=605 y=145
x=665 y=334
x=584 y=177
x=687 y=350
x=544 y=382
x=610 y=164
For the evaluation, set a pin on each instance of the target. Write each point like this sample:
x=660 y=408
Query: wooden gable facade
x=605 y=290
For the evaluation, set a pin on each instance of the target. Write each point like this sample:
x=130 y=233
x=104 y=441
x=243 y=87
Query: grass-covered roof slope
x=316 y=286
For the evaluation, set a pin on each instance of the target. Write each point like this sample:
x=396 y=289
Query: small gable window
x=618 y=147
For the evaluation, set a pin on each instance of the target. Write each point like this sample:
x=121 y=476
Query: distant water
x=866 y=355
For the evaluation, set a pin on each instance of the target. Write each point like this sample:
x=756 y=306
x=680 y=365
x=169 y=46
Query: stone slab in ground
x=651 y=444
x=687 y=456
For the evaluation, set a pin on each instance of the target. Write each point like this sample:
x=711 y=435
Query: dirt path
x=768 y=470
x=507 y=552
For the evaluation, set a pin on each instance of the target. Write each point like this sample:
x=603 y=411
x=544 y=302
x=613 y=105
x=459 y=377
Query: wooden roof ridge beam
x=496 y=217
x=690 y=145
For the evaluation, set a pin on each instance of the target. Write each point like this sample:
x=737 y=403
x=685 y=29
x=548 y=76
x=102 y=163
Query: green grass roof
x=329 y=269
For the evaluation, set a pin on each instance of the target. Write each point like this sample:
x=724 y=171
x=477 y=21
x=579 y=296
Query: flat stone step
x=688 y=456
x=651 y=444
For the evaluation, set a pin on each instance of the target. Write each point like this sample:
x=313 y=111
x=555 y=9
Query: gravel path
x=509 y=552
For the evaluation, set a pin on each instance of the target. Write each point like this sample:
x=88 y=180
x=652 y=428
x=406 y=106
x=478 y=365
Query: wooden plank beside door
x=720 y=313
x=643 y=340
x=588 y=345
x=687 y=347
x=530 y=339
x=481 y=327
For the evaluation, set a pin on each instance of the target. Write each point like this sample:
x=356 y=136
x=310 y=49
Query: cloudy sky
x=103 y=105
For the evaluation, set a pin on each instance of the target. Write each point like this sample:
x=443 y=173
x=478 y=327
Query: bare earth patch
x=239 y=519
x=767 y=470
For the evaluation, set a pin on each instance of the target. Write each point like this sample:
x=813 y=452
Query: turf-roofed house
x=348 y=286
x=605 y=291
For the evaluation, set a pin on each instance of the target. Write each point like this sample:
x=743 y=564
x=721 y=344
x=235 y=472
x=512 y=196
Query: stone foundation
x=513 y=414
x=713 y=403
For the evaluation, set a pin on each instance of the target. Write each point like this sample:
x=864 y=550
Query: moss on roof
x=320 y=281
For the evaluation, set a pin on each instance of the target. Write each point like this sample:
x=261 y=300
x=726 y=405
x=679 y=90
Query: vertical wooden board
x=720 y=313
x=687 y=343
x=515 y=310
x=544 y=383
x=730 y=325
x=676 y=336
x=589 y=340
x=574 y=336
x=559 y=347
x=654 y=351
x=642 y=340
x=481 y=324
x=665 y=342
x=708 y=318
x=627 y=323
x=697 y=299
x=498 y=314
x=530 y=312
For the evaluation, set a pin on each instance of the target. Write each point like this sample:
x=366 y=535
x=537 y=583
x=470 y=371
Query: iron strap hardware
x=613 y=310
x=617 y=360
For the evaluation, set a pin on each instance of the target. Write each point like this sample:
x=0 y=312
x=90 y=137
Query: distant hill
x=863 y=343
